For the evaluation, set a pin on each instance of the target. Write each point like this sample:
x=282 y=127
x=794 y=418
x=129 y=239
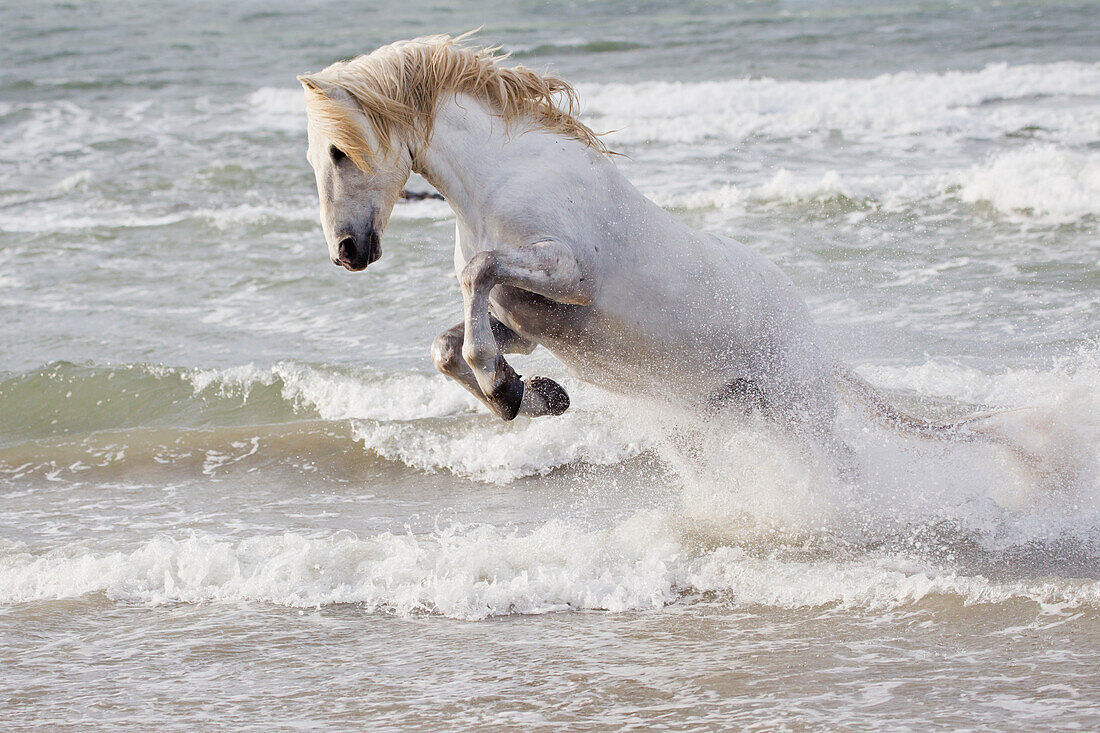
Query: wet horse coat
x=555 y=248
x=620 y=291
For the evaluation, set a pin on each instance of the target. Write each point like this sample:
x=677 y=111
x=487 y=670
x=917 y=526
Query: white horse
x=555 y=248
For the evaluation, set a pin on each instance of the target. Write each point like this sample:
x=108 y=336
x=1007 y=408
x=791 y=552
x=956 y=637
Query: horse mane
x=398 y=86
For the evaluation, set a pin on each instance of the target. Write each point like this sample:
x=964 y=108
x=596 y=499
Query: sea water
x=236 y=495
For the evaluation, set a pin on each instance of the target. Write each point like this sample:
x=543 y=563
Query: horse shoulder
x=553 y=194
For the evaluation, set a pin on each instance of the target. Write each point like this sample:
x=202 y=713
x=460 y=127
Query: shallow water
x=235 y=493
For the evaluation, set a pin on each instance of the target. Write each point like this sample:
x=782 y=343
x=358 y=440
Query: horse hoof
x=507 y=398
x=544 y=396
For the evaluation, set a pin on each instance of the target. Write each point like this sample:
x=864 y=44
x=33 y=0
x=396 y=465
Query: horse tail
x=965 y=430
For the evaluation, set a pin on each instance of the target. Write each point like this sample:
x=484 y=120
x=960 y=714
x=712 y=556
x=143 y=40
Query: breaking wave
x=1041 y=183
x=991 y=103
x=753 y=520
x=473 y=572
x=425 y=421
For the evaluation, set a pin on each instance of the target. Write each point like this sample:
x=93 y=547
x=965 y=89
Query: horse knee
x=478 y=270
x=478 y=357
x=447 y=352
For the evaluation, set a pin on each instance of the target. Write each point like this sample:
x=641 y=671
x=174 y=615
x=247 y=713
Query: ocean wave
x=102 y=457
x=428 y=423
x=425 y=421
x=64 y=398
x=479 y=571
x=1044 y=182
x=1053 y=180
x=339 y=394
x=44 y=217
x=1068 y=374
x=574 y=45
x=991 y=103
x=737 y=486
x=278 y=101
x=783 y=187
x=485 y=449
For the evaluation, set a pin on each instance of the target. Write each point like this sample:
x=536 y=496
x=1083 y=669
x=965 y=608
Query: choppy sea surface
x=234 y=494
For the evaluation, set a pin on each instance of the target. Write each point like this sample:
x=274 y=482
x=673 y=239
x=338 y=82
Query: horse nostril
x=346 y=250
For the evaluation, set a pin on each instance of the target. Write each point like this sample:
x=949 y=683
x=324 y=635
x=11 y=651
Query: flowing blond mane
x=397 y=88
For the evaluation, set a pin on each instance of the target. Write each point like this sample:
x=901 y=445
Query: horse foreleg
x=546 y=268
x=447 y=357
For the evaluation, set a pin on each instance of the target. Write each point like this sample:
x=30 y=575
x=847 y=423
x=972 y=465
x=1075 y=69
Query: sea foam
x=740 y=479
x=758 y=522
x=992 y=102
x=429 y=423
x=1040 y=181
x=477 y=571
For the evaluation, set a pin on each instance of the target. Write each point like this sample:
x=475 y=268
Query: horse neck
x=469 y=155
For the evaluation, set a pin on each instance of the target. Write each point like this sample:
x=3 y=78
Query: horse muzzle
x=355 y=253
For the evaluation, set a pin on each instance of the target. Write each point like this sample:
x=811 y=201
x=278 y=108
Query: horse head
x=359 y=175
x=369 y=115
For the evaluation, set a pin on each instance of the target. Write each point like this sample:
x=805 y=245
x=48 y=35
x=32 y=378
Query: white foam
x=279 y=101
x=922 y=127
x=1005 y=387
x=486 y=449
x=728 y=196
x=784 y=187
x=430 y=423
x=231 y=217
x=276 y=108
x=1045 y=184
x=744 y=480
x=225 y=218
x=738 y=474
x=46 y=219
x=473 y=572
x=992 y=102
x=1042 y=181
x=1040 y=480
x=878 y=583
x=368 y=395
x=75 y=181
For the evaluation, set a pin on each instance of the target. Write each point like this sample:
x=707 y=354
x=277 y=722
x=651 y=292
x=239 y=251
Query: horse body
x=554 y=247
x=665 y=309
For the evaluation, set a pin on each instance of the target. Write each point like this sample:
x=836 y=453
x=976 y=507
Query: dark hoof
x=505 y=399
x=557 y=401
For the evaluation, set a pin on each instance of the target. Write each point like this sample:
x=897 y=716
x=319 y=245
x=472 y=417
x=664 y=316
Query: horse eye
x=336 y=153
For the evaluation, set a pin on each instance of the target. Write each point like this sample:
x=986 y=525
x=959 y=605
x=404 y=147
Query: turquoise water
x=237 y=495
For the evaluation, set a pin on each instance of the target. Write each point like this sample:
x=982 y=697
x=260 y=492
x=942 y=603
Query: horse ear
x=310 y=83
